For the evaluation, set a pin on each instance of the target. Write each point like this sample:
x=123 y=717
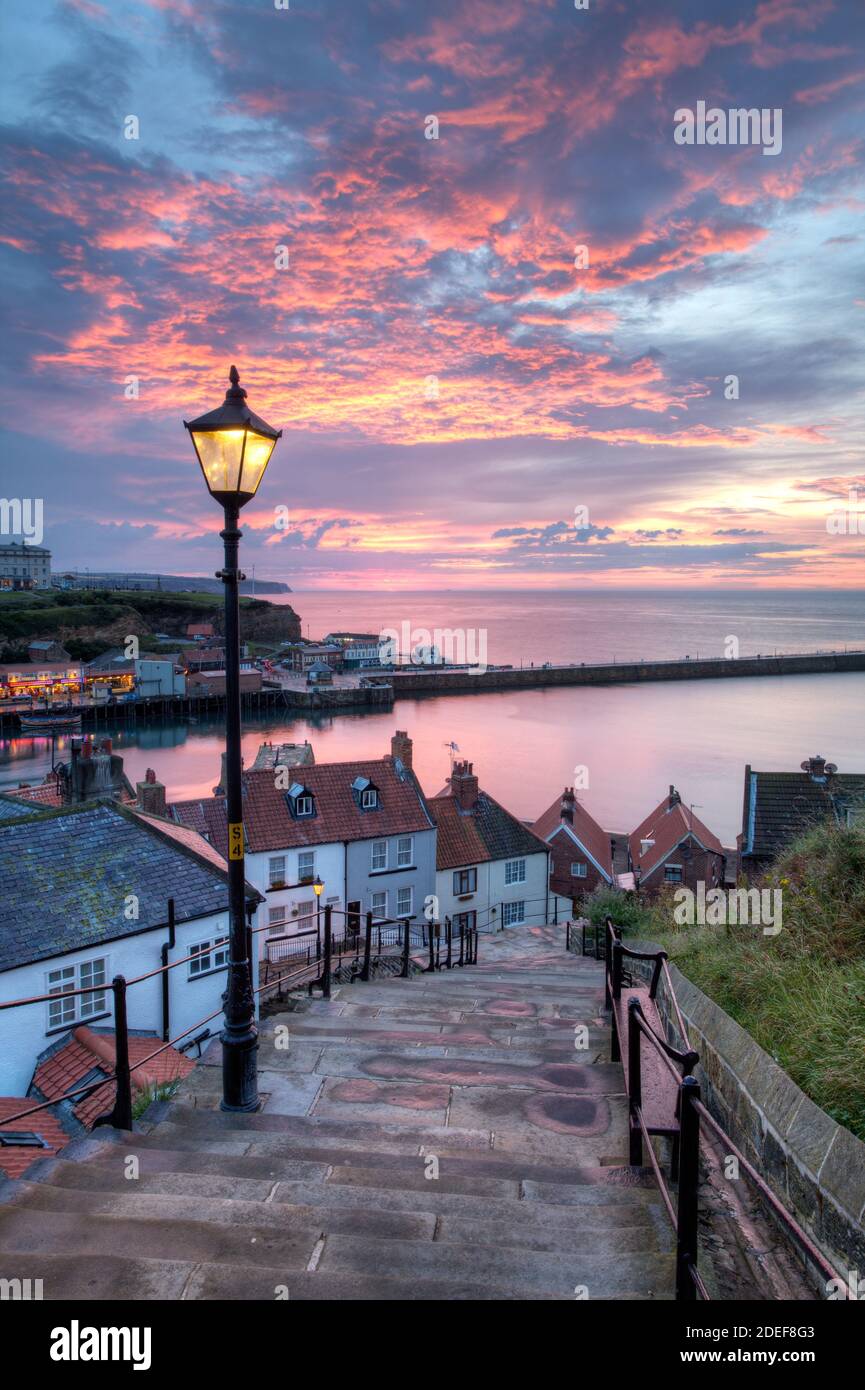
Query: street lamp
x=316 y=888
x=234 y=447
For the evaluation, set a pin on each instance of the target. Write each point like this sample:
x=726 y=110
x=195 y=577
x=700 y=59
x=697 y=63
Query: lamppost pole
x=233 y=447
x=240 y=1034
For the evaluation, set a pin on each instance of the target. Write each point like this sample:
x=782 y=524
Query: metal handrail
x=691 y=1110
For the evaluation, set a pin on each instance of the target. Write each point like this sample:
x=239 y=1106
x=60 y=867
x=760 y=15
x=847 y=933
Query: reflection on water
x=635 y=741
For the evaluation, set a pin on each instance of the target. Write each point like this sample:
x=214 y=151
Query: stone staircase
x=431 y=1138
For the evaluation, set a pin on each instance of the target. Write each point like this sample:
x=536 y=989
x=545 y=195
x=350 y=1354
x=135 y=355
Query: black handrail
x=689 y=1111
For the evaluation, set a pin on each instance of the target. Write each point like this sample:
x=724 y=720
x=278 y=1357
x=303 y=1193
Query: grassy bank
x=801 y=993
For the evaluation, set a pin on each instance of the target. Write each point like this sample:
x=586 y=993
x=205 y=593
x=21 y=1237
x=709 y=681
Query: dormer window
x=301 y=801
x=365 y=794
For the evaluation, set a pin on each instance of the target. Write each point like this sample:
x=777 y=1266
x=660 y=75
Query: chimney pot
x=464 y=786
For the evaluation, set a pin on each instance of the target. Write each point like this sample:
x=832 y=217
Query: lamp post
x=316 y=888
x=234 y=447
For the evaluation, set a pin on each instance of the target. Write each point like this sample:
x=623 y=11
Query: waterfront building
x=24 y=566
x=155 y=676
x=360 y=650
x=213 y=682
x=673 y=846
x=779 y=806
x=581 y=857
x=319 y=673
x=40 y=679
x=299 y=656
x=50 y=650
x=492 y=870
x=85 y=898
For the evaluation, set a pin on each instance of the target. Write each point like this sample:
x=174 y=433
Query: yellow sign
x=235 y=839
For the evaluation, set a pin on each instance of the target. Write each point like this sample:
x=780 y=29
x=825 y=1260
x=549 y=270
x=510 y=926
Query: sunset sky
x=462 y=405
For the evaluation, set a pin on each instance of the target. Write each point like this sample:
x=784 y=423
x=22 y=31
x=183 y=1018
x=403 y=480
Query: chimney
x=568 y=802
x=675 y=798
x=818 y=769
x=464 y=786
x=150 y=794
x=401 y=747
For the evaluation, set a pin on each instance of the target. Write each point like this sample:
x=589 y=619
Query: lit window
x=515 y=871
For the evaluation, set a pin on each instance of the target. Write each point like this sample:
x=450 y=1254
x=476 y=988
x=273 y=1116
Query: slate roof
x=487 y=832
x=668 y=826
x=269 y=824
x=778 y=806
x=585 y=831
x=12 y=809
x=66 y=877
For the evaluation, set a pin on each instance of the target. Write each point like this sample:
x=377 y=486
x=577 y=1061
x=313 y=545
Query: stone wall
x=814 y=1165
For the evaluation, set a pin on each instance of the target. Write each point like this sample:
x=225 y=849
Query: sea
x=623 y=746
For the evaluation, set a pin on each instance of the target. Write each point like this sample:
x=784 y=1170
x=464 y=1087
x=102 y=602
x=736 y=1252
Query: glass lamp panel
x=220 y=452
x=255 y=459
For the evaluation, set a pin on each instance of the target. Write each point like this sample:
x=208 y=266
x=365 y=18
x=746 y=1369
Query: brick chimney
x=568 y=803
x=401 y=747
x=464 y=786
x=818 y=769
x=150 y=794
x=674 y=799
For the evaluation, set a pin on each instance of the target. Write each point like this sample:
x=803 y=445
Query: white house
x=85 y=898
x=157 y=676
x=492 y=871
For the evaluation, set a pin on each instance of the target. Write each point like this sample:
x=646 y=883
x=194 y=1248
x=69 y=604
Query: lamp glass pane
x=220 y=452
x=258 y=451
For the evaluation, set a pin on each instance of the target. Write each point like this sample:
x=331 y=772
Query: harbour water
x=633 y=741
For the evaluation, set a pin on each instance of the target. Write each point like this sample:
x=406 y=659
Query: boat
x=50 y=723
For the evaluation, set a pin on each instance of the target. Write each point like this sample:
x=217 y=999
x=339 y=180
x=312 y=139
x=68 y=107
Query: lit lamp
x=317 y=886
x=234 y=447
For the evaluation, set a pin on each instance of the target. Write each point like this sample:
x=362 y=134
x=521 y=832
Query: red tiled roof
x=458 y=841
x=668 y=825
x=15 y=1161
x=45 y=793
x=269 y=824
x=192 y=839
x=594 y=840
x=88 y=1052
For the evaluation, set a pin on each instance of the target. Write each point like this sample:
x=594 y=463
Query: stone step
x=554 y=1274
x=373 y=1220
x=598 y=1207
x=73 y=1278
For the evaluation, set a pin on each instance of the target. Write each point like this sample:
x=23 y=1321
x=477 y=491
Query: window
x=515 y=871
x=369 y=799
x=276 y=871
x=303 y=806
x=208 y=955
x=306 y=865
x=466 y=920
x=378 y=904
x=465 y=881
x=63 y=1010
x=672 y=873
x=513 y=913
x=404 y=902
x=579 y=870
x=276 y=916
x=405 y=851
x=379 y=855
